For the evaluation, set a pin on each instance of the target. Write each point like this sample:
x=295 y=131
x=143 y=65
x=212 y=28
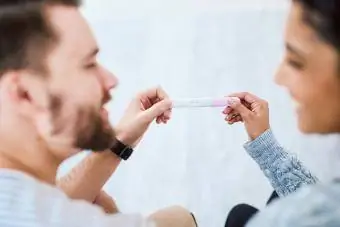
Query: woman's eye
x=296 y=64
x=90 y=66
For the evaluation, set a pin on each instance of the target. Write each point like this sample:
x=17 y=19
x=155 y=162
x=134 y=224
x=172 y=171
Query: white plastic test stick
x=203 y=102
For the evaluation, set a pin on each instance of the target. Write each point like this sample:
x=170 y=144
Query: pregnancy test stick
x=203 y=102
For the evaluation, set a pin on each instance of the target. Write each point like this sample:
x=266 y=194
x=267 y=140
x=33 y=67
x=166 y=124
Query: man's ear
x=27 y=93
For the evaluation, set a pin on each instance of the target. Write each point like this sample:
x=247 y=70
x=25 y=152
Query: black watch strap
x=121 y=150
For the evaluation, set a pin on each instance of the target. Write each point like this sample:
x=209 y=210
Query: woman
x=310 y=72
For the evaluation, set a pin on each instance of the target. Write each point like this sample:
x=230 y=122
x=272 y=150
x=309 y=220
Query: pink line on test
x=219 y=103
x=224 y=102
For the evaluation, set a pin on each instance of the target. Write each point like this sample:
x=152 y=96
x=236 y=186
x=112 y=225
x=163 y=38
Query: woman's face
x=310 y=71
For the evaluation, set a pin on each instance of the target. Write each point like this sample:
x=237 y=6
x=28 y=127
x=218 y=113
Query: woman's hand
x=251 y=110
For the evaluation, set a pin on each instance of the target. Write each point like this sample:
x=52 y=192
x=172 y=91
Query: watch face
x=121 y=150
x=126 y=153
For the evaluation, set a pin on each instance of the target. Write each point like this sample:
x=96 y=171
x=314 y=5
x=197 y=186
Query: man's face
x=78 y=86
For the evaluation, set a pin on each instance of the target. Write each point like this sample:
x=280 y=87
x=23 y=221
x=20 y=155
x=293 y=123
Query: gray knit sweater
x=304 y=201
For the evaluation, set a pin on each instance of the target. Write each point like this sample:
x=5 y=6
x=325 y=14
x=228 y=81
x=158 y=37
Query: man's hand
x=153 y=104
x=106 y=202
x=251 y=110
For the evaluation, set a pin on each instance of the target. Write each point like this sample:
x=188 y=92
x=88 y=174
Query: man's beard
x=91 y=132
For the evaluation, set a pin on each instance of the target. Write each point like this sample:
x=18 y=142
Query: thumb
x=157 y=109
x=241 y=109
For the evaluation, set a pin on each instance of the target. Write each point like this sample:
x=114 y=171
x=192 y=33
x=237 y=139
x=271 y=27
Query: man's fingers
x=106 y=202
x=162 y=119
x=146 y=103
x=167 y=114
x=155 y=93
x=156 y=111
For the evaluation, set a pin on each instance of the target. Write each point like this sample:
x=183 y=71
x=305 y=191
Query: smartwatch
x=121 y=150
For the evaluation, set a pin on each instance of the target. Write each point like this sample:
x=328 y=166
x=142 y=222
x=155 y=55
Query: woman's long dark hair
x=324 y=17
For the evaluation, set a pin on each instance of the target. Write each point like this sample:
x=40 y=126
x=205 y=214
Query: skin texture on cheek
x=320 y=90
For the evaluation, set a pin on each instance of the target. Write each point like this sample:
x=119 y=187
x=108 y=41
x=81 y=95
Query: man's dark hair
x=324 y=17
x=25 y=33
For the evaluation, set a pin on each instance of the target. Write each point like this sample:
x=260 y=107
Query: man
x=52 y=92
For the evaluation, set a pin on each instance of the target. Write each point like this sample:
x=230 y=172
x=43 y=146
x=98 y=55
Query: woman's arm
x=284 y=171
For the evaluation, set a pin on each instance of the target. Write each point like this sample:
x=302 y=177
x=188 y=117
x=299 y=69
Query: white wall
x=198 y=48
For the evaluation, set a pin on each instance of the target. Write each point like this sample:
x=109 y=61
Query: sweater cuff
x=265 y=149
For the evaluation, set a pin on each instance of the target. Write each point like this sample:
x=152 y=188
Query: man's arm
x=87 y=178
x=80 y=213
x=107 y=203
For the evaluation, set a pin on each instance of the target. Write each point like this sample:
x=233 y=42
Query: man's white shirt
x=27 y=202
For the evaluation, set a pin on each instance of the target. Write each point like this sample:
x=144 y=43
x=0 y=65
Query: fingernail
x=169 y=103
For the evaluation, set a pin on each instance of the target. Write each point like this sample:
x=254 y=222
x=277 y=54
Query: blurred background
x=198 y=48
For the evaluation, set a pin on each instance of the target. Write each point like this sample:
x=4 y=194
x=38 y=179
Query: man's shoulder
x=25 y=187
x=25 y=201
x=317 y=205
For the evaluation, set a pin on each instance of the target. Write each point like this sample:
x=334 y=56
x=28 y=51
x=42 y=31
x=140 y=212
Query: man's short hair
x=26 y=34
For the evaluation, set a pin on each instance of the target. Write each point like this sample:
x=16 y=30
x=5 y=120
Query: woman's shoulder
x=314 y=205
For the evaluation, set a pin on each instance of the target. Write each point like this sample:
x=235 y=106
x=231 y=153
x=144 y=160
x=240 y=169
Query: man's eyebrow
x=92 y=54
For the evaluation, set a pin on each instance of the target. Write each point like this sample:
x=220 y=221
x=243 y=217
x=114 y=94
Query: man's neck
x=47 y=175
x=29 y=157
